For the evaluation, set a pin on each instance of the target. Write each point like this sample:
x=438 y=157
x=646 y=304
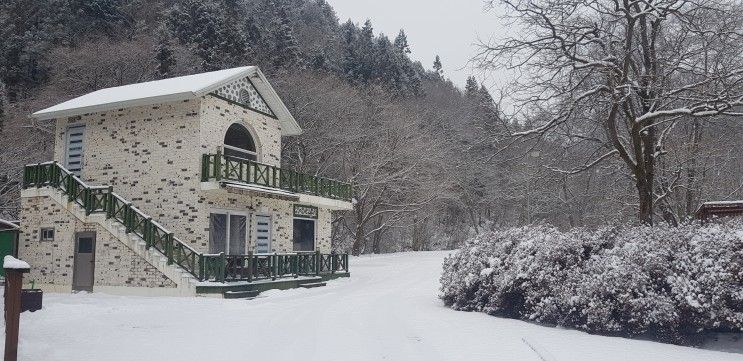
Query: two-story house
x=165 y=186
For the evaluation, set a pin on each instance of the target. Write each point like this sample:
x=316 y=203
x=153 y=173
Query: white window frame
x=44 y=229
x=231 y=212
x=67 y=146
x=270 y=231
x=314 y=236
x=240 y=150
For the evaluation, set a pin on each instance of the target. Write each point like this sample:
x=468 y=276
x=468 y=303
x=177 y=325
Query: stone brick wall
x=217 y=115
x=52 y=262
x=151 y=155
x=282 y=217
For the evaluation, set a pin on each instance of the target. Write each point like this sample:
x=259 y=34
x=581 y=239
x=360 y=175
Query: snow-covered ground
x=387 y=310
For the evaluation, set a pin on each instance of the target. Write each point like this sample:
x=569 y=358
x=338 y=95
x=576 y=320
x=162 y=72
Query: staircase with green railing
x=202 y=266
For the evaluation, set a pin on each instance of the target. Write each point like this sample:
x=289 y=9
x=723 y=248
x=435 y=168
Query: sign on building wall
x=305 y=211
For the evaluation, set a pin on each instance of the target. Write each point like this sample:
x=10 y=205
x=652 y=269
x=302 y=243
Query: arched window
x=239 y=143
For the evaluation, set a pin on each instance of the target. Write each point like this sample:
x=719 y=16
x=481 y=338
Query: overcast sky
x=449 y=28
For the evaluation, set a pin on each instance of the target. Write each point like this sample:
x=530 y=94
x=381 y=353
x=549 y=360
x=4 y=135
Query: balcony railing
x=218 y=167
x=251 y=267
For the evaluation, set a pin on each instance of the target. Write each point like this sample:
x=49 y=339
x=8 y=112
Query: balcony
x=219 y=168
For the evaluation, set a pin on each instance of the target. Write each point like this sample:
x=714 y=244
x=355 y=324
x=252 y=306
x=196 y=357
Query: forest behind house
x=431 y=164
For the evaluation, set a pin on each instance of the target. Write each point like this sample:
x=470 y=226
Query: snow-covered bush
x=667 y=283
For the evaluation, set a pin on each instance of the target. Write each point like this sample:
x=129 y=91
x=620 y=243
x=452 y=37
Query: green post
x=128 y=215
x=295 y=264
x=169 y=247
x=37 y=179
x=148 y=232
x=87 y=201
x=109 y=202
x=204 y=167
x=201 y=266
x=272 y=265
x=54 y=174
x=222 y=264
x=70 y=188
x=250 y=266
x=318 y=262
x=333 y=261
x=218 y=165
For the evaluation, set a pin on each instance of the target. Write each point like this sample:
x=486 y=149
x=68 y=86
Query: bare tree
x=618 y=76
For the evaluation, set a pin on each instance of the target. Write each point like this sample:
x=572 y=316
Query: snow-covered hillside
x=387 y=310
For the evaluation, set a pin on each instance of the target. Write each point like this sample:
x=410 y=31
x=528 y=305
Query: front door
x=82 y=276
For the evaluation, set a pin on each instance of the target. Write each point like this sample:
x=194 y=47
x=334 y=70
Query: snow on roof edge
x=46 y=115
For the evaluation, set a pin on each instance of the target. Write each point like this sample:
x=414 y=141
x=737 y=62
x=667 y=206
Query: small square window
x=47 y=234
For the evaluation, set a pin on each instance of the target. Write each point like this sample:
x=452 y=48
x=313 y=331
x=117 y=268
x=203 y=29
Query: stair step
x=241 y=294
x=312 y=285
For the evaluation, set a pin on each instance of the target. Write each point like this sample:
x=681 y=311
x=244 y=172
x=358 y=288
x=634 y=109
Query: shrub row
x=664 y=283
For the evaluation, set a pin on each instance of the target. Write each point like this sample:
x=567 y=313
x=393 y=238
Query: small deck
x=223 y=289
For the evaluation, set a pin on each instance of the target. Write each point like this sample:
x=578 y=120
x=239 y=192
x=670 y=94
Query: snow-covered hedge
x=665 y=283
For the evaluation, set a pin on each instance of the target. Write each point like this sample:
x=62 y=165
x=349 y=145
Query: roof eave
x=46 y=115
x=294 y=128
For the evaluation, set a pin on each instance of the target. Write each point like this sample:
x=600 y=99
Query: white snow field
x=387 y=310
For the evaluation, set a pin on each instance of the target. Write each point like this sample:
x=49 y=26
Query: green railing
x=252 y=267
x=219 y=267
x=219 y=167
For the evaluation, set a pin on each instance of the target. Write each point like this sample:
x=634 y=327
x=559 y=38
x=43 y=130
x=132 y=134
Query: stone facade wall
x=282 y=216
x=217 y=115
x=151 y=155
x=52 y=262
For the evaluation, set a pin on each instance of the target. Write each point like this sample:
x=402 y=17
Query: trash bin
x=31 y=299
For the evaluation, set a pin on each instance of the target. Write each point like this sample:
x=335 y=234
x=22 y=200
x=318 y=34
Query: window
x=239 y=143
x=262 y=234
x=47 y=234
x=74 y=150
x=228 y=232
x=304 y=234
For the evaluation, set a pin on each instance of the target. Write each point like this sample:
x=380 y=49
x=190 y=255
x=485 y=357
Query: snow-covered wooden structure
x=159 y=187
x=708 y=210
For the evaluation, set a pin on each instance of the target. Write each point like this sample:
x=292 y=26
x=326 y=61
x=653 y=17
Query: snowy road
x=387 y=310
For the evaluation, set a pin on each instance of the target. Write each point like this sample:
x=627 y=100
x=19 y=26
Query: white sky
x=449 y=28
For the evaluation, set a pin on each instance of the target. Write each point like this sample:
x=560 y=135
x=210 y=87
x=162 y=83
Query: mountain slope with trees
x=430 y=163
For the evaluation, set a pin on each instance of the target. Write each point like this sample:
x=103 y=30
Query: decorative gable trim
x=242 y=92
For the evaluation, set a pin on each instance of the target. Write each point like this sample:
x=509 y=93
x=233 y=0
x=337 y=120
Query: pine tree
x=164 y=56
x=286 y=49
x=350 y=63
x=401 y=42
x=487 y=105
x=437 y=68
x=200 y=24
x=365 y=52
x=471 y=88
x=389 y=66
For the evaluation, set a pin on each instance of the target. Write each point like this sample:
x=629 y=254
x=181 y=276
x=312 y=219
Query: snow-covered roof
x=173 y=89
x=720 y=204
x=10 y=262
